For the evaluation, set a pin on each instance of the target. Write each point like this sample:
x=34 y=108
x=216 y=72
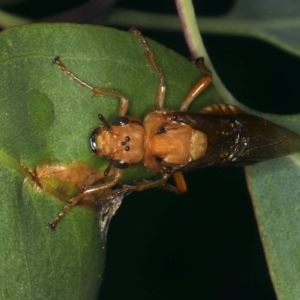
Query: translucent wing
x=239 y=139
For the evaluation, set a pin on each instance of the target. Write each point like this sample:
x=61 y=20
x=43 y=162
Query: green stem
x=193 y=38
x=190 y=28
x=11 y=163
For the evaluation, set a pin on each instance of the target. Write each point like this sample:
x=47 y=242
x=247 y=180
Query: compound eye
x=93 y=143
x=120 y=121
x=120 y=164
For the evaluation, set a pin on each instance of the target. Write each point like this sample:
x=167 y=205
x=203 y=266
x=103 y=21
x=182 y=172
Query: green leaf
x=273 y=186
x=45 y=119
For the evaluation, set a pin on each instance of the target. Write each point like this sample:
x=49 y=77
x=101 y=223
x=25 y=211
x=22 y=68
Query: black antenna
x=106 y=172
x=103 y=120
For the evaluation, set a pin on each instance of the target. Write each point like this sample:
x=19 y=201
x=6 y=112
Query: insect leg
x=199 y=62
x=199 y=87
x=91 y=190
x=179 y=187
x=143 y=185
x=95 y=90
x=180 y=182
x=161 y=89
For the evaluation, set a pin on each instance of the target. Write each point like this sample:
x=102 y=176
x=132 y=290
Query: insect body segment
x=122 y=143
x=170 y=144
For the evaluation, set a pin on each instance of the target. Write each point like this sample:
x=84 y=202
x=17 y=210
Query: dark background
x=204 y=244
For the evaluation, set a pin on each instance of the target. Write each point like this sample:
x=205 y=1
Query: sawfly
x=170 y=142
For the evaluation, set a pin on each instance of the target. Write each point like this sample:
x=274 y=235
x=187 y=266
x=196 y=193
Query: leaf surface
x=46 y=118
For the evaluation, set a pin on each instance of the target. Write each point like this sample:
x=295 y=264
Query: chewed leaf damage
x=68 y=183
x=64 y=182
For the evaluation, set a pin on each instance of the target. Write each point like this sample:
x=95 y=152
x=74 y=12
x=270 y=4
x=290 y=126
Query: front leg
x=199 y=87
x=95 y=90
x=161 y=89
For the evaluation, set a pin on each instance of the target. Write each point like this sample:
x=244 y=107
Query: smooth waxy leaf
x=45 y=119
x=273 y=185
x=274 y=188
x=275 y=193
